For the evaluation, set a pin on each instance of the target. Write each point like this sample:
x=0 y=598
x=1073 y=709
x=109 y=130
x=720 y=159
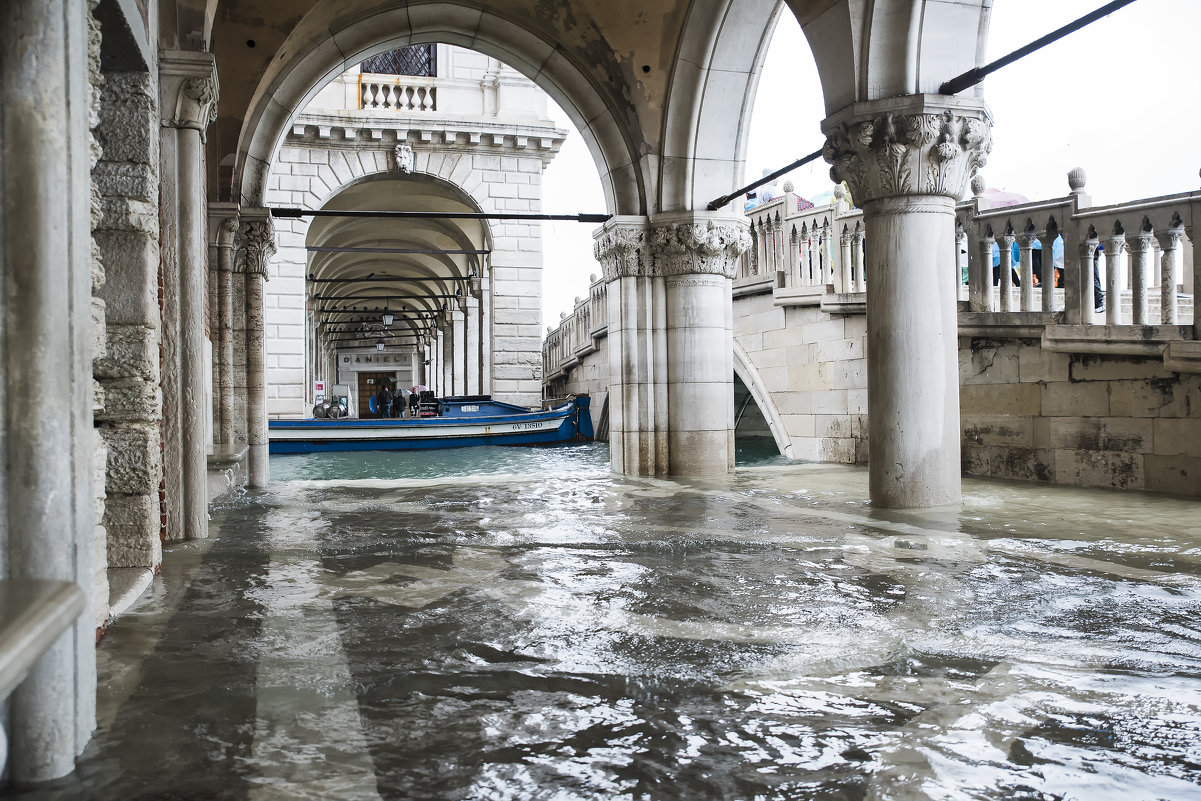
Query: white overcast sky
x=1119 y=98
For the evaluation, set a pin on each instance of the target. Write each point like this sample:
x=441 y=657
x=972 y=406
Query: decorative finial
x=789 y=186
x=1076 y=179
x=562 y=315
x=840 y=191
x=577 y=300
x=978 y=185
x=592 y=278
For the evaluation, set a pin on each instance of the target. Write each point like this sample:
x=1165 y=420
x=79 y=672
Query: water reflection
x=514 y=624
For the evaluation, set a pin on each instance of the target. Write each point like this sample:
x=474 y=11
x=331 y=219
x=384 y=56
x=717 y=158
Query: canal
x=523 y=624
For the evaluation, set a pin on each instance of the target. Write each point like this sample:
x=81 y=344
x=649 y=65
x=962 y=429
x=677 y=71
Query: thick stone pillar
x=907 y=160
x=256 y=245
x=46 y=486
x=671 y=365
x=223 y=227
x=188 y=92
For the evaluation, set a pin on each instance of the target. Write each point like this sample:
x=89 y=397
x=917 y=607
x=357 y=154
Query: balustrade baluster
x=1005 y=241
x=961 y=258
x=857 y=259
x=1139 y=245
x=844 y=282
x=982 y=281
x=1113 y=277
x=1026 y=266
x=1168 y=241
x=790 y=269
x=1048 y=279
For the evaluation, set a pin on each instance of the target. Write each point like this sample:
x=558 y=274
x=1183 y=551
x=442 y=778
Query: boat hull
x=567 y=423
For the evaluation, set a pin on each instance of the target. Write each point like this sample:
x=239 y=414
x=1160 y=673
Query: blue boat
x=460 y=422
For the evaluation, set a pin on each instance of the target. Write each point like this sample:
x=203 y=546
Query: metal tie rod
x=427 y=251
x=951 y=87
x=437 y=215
x=978 y=74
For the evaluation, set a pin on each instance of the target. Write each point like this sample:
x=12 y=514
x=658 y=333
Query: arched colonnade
x=107 y=248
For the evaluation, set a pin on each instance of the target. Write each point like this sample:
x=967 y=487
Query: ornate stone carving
x=190 y=91
x=700 y=247
x=402 y=157
x=683 y=248
x=256 y=246
x=622 y=252
x=912 y=145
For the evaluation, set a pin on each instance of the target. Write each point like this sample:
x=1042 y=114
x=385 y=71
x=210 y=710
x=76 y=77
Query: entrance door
x=369 y=384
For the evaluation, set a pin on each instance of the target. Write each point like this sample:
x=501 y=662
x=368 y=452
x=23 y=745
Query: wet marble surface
x=522 y=624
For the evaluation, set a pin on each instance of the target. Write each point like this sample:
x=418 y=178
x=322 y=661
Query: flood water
x=523 y=624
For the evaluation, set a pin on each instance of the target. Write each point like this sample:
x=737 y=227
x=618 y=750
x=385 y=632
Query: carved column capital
x=911 y=145
x=1139 y=241
x=256 y=246
x=708 y=247
x=621 y=249
x=189 y=91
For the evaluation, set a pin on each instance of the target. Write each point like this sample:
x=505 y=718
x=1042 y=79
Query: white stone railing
x=403 y=93
x=1147 y=267
x=803 y=249
x=814 y=256
x=576 y=334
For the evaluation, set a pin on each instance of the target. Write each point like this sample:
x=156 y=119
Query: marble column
x=473 y=345
x=47 y=516
x=670 y=343
x=459 y=348
x=256 y=244
x=223 y=227
x=188 y=97
x=907 y=160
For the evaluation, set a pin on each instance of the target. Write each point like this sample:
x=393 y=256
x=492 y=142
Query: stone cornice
x=188 y=89
x=424 y=131
x=911 y=145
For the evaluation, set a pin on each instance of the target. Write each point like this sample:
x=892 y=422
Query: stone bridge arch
x=745 y=369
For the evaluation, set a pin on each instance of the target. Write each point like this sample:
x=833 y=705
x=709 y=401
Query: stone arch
x=336 y=35
x=704 y=139
x=744 y=368
x=451 y=171
x=867 y=50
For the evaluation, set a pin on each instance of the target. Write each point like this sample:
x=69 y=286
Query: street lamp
x=379 y=344
x=388 y=319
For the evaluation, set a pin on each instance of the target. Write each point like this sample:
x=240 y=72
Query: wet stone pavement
x=522 y=624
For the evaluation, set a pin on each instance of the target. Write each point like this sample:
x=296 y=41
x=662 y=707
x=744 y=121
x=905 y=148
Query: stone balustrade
x=802 y=250
x=1146 y=264
x=577 y=333
x=809 y=255
x=402 y=93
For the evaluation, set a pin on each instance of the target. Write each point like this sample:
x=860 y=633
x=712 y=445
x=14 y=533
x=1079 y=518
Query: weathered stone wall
x=813 y=366
x=1082 y=419
x=128 y=368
